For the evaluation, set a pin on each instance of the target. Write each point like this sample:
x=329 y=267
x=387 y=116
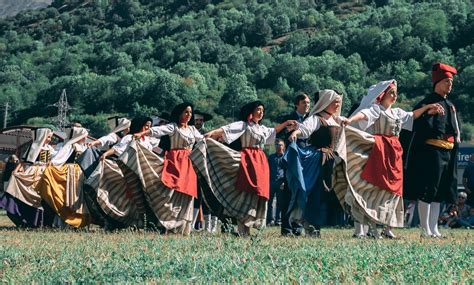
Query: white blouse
x=107 y=141
x=254 y=135
x=120 y=147
x=376 y=111
x=313 y=123
x=179 y=137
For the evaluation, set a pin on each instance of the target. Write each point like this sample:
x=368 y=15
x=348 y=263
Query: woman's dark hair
x=137 y=124
x=248 y=109
x=178 y=110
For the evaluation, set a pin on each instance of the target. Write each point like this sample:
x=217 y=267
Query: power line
x=63 y=107
x=5 y=116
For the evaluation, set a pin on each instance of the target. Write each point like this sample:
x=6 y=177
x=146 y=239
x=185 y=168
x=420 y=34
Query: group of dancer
x=141 y=175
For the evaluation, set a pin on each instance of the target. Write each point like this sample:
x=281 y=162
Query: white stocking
x=359 y=229
x=433 y=220
x=424 y=213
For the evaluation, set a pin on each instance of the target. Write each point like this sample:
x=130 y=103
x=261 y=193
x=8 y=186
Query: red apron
x=254 y=172
x=384 y=167
x=178 y=173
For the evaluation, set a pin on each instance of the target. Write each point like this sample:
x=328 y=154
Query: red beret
x=441 y=71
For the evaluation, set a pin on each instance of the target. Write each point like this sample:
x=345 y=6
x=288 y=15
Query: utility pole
x=63 y=107
x=5 y=116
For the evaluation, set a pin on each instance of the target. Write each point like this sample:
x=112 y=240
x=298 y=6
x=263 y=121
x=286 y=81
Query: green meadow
x=92 y=255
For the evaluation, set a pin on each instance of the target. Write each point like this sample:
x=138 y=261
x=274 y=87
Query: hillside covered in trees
x=13 y=7
x=145 y=56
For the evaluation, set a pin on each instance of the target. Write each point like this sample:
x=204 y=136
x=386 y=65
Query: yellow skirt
x=61 y=189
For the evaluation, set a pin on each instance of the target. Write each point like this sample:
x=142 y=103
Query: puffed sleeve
x=108 y=140
x=120 y=147
x=233 y=131
x=406 y=118
x=309 y=126
x=164 y=130
x=197 y=135
x=372 y=114
x=269 y=134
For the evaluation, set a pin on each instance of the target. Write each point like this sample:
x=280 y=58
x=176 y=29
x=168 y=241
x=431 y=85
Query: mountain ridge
x=9 y=8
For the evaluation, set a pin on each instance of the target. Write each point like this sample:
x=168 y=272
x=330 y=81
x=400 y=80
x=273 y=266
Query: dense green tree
x=146 y=56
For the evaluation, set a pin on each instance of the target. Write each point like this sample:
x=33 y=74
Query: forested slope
x=131 y=57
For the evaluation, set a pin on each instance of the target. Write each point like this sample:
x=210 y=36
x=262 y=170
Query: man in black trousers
x=302 y=104
x=432 y=157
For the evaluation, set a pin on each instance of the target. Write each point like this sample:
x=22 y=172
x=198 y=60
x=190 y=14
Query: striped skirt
x=366 y=202
x=117 y=192
x=218 y=166
x=173 y=209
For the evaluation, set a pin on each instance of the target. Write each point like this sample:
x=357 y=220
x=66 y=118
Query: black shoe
x=316 y=234
x=298 y=232
x=311 y=231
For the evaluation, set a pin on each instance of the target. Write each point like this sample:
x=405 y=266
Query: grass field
x=47 y=256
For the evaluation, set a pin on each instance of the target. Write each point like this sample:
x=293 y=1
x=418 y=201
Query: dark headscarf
x=138 y=123
x=178 y=110
x=248 y=109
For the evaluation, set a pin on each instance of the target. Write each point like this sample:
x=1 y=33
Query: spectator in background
x=277 y=180
x=468 y=181
x=11 y=164
x=457 y=215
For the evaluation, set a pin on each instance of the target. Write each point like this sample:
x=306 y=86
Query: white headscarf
x=39 y=137
x=326 y=97
x=372 y=94
x=74 y=134
x=121 y=124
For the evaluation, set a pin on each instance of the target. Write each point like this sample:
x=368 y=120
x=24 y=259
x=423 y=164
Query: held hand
x=91 y=144
x=208 y=135
x=292 y=137
x=138 y=135
x=435 y=109
x=345 y=122
x=291 y=125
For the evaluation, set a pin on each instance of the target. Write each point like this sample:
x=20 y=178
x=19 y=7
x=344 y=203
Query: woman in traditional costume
x=117 y=199
x=21 y=201
x=172 y=198
x=121 y=127
x=239 y=181
x=374 y=159
x=138 y=125
x=61 y=185
x=90 y=158
x=309 y=171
